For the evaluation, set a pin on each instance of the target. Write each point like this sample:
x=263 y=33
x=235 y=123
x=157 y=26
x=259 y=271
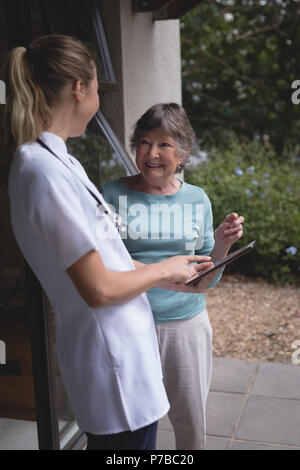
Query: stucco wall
x=151 y=71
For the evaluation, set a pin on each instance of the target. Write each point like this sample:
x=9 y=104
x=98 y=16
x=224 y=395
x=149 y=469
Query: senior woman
x=162 y=217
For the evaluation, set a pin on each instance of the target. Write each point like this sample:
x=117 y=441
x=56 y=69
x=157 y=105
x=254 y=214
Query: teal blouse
x=156 y=227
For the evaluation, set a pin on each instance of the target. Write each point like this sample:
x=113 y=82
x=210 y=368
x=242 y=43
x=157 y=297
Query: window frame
x=102 y=44
x=115 y=144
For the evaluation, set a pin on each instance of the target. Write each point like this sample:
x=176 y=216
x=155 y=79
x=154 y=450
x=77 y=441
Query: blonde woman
x=106 y=342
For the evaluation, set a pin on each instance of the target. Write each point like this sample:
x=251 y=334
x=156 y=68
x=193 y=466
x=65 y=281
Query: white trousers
x=186 y=355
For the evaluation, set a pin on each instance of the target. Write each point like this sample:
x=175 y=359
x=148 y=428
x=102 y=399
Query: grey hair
x=173 y=120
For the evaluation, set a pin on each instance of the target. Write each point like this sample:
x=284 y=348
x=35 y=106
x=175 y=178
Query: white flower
x=291 y=250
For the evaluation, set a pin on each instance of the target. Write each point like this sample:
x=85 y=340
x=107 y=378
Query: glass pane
x=97 y=156
x=74 y=18
x=66 y=422
x=31 y=19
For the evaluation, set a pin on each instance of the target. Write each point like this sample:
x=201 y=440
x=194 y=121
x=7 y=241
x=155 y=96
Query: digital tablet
x=228 y=259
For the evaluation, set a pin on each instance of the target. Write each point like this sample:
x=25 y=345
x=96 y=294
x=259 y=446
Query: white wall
x=151 y=60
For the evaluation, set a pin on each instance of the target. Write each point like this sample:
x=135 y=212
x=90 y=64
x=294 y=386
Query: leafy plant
x=239 y=60
x=247 y=178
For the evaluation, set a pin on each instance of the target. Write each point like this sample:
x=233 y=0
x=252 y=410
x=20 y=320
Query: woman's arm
x=181 y=287
x=138 y=264
x=100 y=287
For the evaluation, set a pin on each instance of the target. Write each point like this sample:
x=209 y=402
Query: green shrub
x=248 y=178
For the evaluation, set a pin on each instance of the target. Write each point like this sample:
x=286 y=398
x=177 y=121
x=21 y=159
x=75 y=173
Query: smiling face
x=156 y=156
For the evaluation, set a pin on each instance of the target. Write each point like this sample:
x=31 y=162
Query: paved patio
x=251 y=406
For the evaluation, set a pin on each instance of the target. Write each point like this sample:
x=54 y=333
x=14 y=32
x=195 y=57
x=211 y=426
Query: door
x=34 y=409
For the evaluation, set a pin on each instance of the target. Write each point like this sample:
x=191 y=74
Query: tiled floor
x=250 y=406
x=18 y=435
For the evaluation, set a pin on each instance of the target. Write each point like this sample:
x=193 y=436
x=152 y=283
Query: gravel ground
x=254 y=320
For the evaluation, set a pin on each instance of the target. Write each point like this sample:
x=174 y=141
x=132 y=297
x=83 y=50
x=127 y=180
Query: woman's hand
x=97 y=285
x=180 y=286
x=178 y=269
x=229 y=231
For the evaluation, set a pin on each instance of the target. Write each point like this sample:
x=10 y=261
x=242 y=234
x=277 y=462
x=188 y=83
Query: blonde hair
x=35 y=77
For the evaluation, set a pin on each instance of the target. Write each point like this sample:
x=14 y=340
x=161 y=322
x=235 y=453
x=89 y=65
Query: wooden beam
x=176 y=9
x=150 y=5
x=164 y=9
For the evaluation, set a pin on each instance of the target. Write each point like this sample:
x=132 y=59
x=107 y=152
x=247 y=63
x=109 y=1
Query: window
x=100 y=152
x=33 y=18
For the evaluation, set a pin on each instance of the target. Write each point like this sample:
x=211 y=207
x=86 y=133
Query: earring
x=180 y=168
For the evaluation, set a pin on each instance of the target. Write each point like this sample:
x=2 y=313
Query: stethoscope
x=115 y=218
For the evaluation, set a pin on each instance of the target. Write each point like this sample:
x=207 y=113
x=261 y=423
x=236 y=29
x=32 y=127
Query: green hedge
x=248 y=178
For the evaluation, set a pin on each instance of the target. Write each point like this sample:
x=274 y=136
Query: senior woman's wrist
x=220 y=250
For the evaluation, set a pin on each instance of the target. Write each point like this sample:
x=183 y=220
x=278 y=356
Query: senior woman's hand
x=230 y=230
x=198 y=288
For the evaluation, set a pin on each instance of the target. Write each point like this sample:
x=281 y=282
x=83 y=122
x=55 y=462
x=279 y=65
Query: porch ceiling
x=164 y=9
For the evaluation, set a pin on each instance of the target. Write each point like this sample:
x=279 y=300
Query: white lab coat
x=108 y=356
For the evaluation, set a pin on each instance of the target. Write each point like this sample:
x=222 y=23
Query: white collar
x=58 y=146
x=55 y=142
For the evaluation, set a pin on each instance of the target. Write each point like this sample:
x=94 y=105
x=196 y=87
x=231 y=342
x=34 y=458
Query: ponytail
x=34 y=78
